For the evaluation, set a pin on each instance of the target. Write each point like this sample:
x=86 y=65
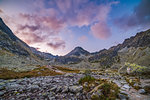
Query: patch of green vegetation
x=100 y=89
x=87 y=72
x=86 y=78
x=135 y=67
x=109 y=91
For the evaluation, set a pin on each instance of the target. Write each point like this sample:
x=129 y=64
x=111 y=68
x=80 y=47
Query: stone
x=75 y=89
x=53 y=88
x=69 y=74
x=2 y=87
x=126 y=87
x=2 y=93
x=85 y=84
x=141 y=91
x=117 y=82
x=122 y=97
x=14 y=86
x=34 y=87
x=59 y=89
x=124 y=92
x=65 y=89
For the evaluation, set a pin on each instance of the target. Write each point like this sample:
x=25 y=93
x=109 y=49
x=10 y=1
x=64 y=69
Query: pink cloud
x=32 y=28
x=83 y=38
x=57 y=43
x=1 y=11
x=64 y=5
x=30 y=38
x=45 y=20
x=51 y=23
x=101 y=30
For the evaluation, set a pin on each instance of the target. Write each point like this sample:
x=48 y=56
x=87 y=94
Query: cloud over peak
x=57 y=43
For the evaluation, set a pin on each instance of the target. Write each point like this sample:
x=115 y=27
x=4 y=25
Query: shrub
x=109 y=91
x=86 y=78
x=87 y=72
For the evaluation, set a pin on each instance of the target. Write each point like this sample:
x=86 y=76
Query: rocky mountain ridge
x=77 y=58
x=106 y=58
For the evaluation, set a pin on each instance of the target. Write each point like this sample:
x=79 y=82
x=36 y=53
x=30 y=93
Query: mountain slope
x=14 y=53
x=111 y=56
x=44 y=55
x=106 y=58
x=78 y=51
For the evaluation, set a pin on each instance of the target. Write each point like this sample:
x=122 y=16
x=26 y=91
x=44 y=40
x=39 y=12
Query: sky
x=58 y=26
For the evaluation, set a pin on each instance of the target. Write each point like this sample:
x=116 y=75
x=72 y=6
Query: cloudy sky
x=58 y=26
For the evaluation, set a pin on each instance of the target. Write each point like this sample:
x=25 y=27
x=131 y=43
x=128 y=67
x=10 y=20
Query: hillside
x=14 y=53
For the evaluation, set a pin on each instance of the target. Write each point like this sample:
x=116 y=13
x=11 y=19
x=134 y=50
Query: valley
x=121 y=72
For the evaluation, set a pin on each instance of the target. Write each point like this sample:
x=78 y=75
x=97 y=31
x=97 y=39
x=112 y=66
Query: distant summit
x=78 y=51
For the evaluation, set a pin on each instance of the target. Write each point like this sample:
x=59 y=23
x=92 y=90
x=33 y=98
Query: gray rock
x=126 y=87
x=65 y=89
x=53 y=88
x=75 y=89
x=124 y=92
x=14 y=86
x=2 y=93
x=85 y=84
x=117 y=82
x=141 y=91
x=122 y=96
x=33 y=87
x=59 y=89
x=2 y=87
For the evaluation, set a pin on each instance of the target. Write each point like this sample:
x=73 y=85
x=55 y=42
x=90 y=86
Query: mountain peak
x=6 y=29
x=78 y=48
x=77 y=51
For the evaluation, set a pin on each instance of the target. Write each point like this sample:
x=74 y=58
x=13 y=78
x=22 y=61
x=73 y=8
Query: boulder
x=141 y=91
x=75 y=89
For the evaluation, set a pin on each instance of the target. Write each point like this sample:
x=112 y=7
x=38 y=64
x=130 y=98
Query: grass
x=41 y=71
x=67 y=70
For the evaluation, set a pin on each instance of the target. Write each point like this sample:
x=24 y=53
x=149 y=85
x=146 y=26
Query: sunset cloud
x=101 y=30
x=32 y=38
x=58 y=25
x=1 y=11
x=57 y=43
x=83 y=38
x=32 y=28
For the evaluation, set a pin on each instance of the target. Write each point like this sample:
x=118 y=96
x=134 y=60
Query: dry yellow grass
x=41 y=71
x=67 y=70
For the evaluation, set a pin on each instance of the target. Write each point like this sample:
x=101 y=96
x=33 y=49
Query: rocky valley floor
x=66 y=87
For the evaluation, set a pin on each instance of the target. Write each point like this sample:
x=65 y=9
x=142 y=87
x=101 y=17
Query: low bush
x=86 y=78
